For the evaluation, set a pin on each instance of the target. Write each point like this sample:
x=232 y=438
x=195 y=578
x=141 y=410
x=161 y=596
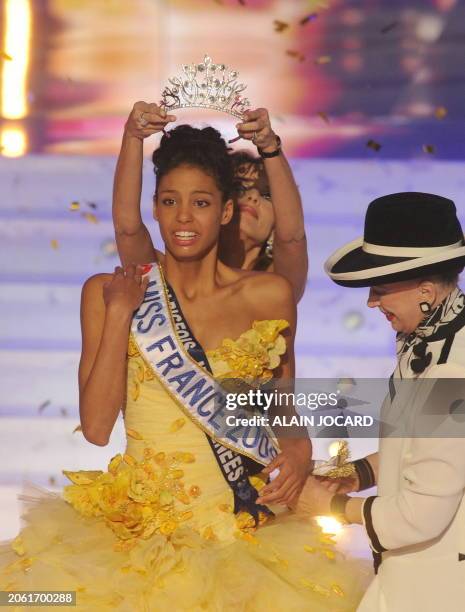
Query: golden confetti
x=135 y=435
x=330 y=554
x=323 y=116
x=78 y=428
x=440 y=112
x=209 y=534
x=44 y=405
x=297 y=54
x=372 y=144
x=309 y=549
x=176 y=474
x=90 y=217
x=82 y=477
x=185 y=516
x=280 y=26
x=427 y=148
x=129 y=459
x=74 y=206
x=18 y=546
x=54 y=244
x=225 y=508
x=308 y=18
x=6 y=56
x=194 y=491
x=323 y=59
x=389 y=27
x=335 y=588
x=177 y=424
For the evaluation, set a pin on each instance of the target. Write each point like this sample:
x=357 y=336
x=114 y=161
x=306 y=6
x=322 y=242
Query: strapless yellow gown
x=156 y=532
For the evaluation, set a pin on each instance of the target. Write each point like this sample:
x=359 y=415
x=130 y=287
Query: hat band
x=393 y=251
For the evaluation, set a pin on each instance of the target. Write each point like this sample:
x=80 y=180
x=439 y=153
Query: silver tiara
x=206 y=85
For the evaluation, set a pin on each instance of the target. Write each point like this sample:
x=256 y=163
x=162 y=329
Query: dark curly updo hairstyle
x=200 y=148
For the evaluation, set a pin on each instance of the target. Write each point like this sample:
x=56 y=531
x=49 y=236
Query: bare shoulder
x=271 y=295
x=92 y=291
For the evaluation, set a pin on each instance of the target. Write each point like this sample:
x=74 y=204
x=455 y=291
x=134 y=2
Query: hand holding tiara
x=256 y=127
x=147 y=119
x=206 y=85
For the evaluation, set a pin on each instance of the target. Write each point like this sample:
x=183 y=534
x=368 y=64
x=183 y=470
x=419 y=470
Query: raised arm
x=107 y=305
x=290 y=257
x=132 y=236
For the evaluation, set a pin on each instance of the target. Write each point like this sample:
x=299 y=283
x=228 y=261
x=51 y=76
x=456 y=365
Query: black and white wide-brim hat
x=407 y=235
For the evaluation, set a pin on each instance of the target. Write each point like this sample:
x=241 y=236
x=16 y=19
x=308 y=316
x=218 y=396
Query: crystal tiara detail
x=206 y=85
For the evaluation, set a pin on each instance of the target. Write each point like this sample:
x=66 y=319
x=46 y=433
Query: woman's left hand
x=256 y=127
x=314 y=500
x=293 y=464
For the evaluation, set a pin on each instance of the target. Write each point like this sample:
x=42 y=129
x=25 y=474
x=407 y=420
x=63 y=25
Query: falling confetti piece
x=135 y=435
x=63 y=412
x=323 y=59
x=74 y=206
x=389 y=27
x=90 y=217
x=309 y=549
x=6 y=56
x=429 y=149
x=296 y=54
x=308 y=18
x=323 y=116
x=44 y=405
x=54 y=244
x=353 y=320
x=52 y=481
x=129 y=459
x=92 y=205
x=337 y=589
x=372 y=144
x=177 y=424
x=78 y=428
x=440 y=112
x=280 y=26
x=109 y=248
x=194 y=491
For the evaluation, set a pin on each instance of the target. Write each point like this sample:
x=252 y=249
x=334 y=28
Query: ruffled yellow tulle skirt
x=288 y=564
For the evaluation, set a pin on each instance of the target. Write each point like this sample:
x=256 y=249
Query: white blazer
x=417 y=521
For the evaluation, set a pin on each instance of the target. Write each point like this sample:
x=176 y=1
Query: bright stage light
x=329 y=524
x=13 y=142
x=16 y=43
x=333 y=448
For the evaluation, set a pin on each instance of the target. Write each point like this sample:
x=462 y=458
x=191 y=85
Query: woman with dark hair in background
x=174 y=524
x=267 y=231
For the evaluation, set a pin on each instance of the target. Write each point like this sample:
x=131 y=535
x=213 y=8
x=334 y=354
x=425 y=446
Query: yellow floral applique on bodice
x=168 y=475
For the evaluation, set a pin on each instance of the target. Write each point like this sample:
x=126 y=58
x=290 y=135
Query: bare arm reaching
x=290 y=244
x=132 y=236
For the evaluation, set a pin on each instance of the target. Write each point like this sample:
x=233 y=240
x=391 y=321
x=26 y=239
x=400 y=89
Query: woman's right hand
x=126 y=288
x=146 y=119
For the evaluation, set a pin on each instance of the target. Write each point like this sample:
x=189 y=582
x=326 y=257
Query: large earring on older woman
x=425 y=307
x=269 y=246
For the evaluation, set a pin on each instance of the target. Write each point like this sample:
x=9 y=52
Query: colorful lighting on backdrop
x=372 y=78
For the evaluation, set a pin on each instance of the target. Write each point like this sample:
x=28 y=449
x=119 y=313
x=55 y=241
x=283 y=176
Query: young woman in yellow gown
x=174 y=523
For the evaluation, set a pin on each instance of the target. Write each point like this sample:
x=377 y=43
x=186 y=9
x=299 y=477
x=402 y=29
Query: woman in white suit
x=410 y=257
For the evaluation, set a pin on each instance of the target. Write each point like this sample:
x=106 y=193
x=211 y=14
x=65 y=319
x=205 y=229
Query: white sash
x=190 y=385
